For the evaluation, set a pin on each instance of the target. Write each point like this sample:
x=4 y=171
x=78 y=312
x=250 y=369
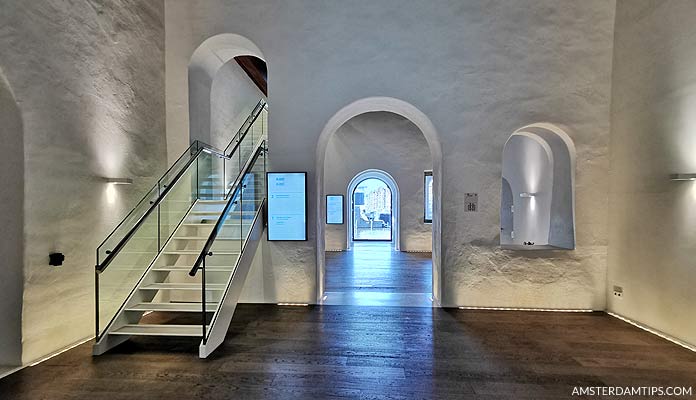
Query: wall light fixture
x=119 y=181
x=682 y=177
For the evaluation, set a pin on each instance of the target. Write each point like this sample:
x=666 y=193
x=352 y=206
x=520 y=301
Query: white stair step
x=196 y=252
x=182 y=286
x=159 y=330
x=202 y=238
x=179 y=268
x=173 y=307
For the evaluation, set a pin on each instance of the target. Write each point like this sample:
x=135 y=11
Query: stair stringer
x=223 y=317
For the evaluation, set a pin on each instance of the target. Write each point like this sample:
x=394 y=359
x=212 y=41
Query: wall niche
x=537 y=209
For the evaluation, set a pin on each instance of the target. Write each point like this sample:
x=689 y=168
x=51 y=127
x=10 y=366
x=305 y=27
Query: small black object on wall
x=56 y=259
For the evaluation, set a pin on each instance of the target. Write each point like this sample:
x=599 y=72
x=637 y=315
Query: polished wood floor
x=339 y=352
x=375 y=266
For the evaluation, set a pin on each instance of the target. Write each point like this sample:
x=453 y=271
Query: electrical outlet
x=618 y=291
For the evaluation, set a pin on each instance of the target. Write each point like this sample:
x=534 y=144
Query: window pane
x=372 y=210
x=428 y=197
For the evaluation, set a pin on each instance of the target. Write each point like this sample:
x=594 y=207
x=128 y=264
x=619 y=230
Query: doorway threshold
x=377 y=299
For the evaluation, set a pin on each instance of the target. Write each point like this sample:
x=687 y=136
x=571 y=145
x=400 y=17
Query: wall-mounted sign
x=334 y=209
x=287 y=205
x=471 y=202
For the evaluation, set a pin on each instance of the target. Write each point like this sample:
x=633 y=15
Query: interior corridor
x=373 y=273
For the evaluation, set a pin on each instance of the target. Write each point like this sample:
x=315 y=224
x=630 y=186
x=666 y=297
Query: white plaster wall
x=12 y=223
x=478 y=70
x=652 y=220
x=89 y=80
x=233 y=98
x=391 y=143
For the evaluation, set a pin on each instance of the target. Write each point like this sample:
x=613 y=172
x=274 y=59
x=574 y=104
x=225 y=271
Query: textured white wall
x=652 y=225
x=233 y=97
x=391 y=143
x=478 y=70
x=12 y=223
x=89 y=80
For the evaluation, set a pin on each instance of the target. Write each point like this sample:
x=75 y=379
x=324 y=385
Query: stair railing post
x=203 y=299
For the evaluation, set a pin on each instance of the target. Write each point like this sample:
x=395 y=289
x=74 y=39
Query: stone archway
x=418 y=118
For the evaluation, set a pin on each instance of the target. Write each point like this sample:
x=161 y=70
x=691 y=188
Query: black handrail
x=101 y=267
x=200 y=146
x=218 y=225
x=259 y=212
x=188 y=151
x=244 y=129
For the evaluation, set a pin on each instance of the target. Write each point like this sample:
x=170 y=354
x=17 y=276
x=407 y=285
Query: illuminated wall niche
x=537 y=209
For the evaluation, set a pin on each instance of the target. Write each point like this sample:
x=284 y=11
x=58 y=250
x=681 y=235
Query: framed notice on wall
x=287 y=205
x=334 y=209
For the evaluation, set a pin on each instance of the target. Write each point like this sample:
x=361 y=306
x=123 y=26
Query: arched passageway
x=373 y=208
x=224 y=57
x=338 y=148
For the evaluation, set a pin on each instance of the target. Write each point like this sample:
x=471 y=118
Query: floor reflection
x=373 y=274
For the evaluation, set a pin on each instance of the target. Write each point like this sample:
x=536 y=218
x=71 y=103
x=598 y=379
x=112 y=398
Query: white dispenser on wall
x=537 y=208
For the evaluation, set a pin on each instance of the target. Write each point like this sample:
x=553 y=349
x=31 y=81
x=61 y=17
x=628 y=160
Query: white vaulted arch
x=418 y=118
x=205 y=63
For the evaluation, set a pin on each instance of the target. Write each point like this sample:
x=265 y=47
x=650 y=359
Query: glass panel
x=144 y=205
x=115 y=283
x=232 y=233
x=372 y=210
x=110 y=243
x=253 y=192
x=210 y=177
x=178 y=200
x=179 y=165
x=231 y=170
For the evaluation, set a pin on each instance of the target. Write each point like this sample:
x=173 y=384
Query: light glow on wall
x=111 y=193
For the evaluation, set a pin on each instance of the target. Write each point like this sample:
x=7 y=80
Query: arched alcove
x=537 y=208
x=12 y=222
x=205 y=63
x=393 y=187
x=418 y=118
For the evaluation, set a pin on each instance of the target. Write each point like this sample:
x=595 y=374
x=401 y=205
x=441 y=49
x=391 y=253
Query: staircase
x=177 y=264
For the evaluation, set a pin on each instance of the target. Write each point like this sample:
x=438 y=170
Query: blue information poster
x=334 y=209
x=287 y=205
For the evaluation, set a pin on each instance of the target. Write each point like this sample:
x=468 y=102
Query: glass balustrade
x=201 y=173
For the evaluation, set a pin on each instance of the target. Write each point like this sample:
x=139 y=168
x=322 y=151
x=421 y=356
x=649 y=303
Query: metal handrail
x=259 y=212
x=255 y=113
x=112 y=253
x=233 y=190
x=237 y=139
x=188 y=151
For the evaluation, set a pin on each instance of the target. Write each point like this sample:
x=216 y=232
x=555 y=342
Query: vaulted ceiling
x=256 y=69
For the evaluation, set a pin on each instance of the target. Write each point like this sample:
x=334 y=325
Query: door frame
x=392 y=185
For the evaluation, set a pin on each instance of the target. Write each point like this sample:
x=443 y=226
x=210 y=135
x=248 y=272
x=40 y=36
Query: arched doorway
x=373 y=208
x=381 y=136
x=371 y=211
x=212 y=60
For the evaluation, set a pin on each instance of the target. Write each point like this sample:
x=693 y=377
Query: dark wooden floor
x=375 y=266
x=333 y=352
